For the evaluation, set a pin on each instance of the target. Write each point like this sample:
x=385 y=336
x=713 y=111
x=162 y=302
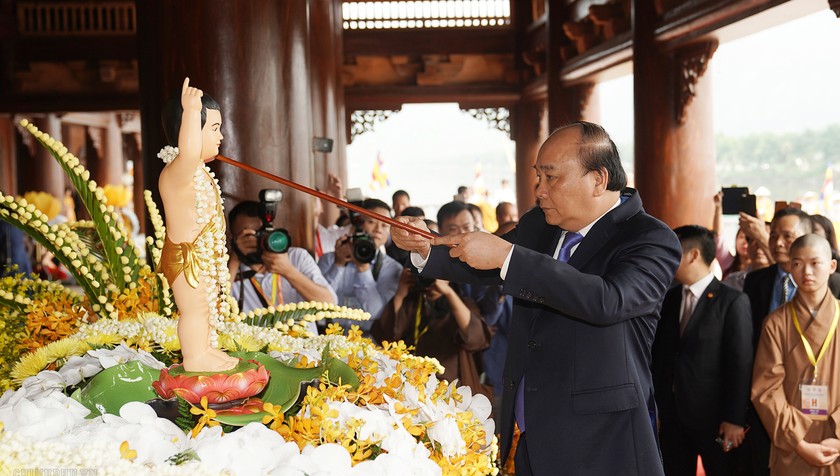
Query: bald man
x=796 y=377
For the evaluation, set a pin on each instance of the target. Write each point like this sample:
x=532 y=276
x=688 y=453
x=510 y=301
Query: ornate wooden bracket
x=691 y=64
x=363 y=121
x=584 y=94
x=495 y=117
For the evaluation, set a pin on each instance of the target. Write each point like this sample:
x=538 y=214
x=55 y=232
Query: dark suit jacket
x=758 y=286
x=703 y=377
x=580 y=335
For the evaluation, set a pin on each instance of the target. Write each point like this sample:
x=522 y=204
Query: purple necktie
x=569 y=241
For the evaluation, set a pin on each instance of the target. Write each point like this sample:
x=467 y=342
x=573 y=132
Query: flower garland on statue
x=211 y=248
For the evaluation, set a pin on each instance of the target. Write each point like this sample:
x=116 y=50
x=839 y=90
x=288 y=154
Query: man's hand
x=733 y=435
x=442 y=286
x=832 y=443
x=753 y=227
x=407 y=280
x=412 y=241
x=246 y=241
x=478 y=249
x=334 y=187
x=718 y=201
x=277 y=263
x=344 y=254
x=817 y=454
x=343 y=251
x=190 y=97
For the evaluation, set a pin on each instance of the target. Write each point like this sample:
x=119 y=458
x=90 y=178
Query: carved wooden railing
x=46 y=18
x=375 y=15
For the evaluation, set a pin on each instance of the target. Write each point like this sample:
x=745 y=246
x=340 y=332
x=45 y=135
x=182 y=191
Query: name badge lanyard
x=418 y=318
x=276 y=293
x=808 y=350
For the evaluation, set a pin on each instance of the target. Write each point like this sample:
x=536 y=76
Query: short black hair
x=248 y=208
x=371 y=203
x=597 y=150
x=399 y=193
x=172 y=112
x=696 y=236
x=413 y=212
x=462 y=189
x=804 y=219
x=450 y=210
x=826 y=224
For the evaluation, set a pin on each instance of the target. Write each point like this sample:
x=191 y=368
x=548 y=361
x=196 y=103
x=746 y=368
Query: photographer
x=362 y=275
x=264 y=278
x=440 y=322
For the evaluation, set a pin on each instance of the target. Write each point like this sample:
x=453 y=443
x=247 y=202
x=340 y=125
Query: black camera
x=364 y=248
x=422 y=283
x=270 y=239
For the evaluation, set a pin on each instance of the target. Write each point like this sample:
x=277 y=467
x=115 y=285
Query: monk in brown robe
x=796 y=377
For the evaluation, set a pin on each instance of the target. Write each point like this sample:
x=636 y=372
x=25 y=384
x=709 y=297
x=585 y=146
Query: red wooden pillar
x=674 y=136
x=326 y=61
x=252 y=57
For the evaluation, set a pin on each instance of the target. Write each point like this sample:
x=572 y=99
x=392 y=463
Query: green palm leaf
x=116 y=244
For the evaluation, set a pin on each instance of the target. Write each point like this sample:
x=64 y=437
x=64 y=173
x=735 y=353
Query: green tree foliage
x=789 y=164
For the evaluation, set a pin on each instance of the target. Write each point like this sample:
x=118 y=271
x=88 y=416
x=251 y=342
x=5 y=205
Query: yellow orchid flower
x=126 y=452
x=275 y=416
x=207 y=417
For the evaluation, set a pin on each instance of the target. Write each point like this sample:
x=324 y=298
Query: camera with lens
x=423 y=283
x=269 y=239
x=364 y=248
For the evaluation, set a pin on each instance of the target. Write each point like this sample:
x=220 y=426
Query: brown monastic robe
x=781 y=364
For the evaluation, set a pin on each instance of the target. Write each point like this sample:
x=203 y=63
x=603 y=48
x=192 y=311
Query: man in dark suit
x=769 y=288
x=587 y=271
x=702 y=362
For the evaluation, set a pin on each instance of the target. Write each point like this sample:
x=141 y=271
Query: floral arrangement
x=400 y=419
x=397 y=418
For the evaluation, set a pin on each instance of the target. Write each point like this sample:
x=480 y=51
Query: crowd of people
x=632 y=345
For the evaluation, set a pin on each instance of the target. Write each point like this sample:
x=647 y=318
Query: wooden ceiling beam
x=88 y=102
x=88 y=48
x=393 y=97
x=428 y=41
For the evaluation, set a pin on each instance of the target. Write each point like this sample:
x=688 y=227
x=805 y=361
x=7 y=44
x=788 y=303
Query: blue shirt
x=301 y=260
x=360 y=290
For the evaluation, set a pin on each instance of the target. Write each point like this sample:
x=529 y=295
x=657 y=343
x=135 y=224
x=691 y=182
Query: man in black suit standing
x=702 y=362
x=587 y=270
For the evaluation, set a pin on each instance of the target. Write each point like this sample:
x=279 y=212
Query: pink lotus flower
x=218 y=388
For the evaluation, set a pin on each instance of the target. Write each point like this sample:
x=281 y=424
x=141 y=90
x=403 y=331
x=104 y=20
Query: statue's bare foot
x=208 y=362
x=221 y=354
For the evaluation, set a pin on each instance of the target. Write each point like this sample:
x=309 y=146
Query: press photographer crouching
x=265 y=269
x=361 y=274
